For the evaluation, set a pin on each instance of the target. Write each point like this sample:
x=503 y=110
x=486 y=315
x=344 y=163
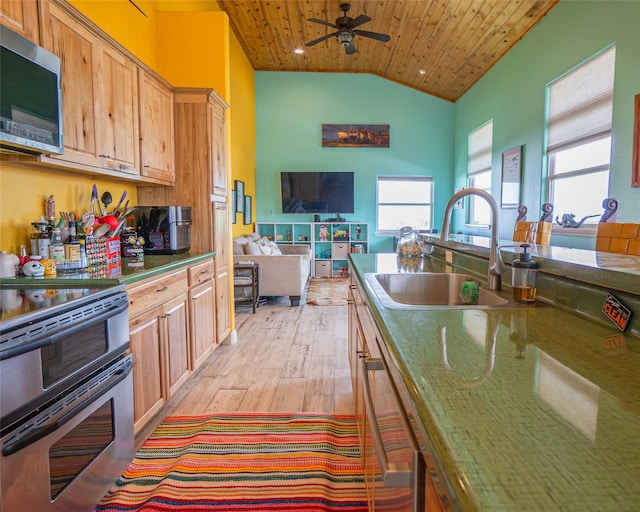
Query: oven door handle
x=48 y=340
x=39 y=433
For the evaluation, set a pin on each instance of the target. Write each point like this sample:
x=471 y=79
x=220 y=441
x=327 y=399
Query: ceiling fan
x=346 y=29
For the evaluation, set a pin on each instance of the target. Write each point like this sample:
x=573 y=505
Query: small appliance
x=165 y=229
x=30 y=97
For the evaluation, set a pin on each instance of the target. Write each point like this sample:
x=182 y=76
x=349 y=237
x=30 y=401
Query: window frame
x=407 y=178
x=598 y=132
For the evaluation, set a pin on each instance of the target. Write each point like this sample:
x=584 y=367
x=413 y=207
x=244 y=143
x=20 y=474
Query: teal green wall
x=290 y=111
x=429 y=136
x=512 y=93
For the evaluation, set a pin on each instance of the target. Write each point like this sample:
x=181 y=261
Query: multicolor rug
x=328 y=291
x=245 y=462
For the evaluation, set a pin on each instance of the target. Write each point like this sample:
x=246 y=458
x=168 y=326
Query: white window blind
x=480 y=142
x=479 y=171
x=581 y=103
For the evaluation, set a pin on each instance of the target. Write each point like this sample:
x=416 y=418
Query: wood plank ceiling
x=441 y=47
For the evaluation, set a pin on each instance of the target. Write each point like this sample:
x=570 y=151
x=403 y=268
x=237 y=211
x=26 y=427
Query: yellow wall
x=126 y=24
x=23 y=193
x=193 y=49
x=242 y=130
x=190 y=44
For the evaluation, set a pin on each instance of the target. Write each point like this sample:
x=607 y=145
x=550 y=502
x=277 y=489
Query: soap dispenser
x=523 y=276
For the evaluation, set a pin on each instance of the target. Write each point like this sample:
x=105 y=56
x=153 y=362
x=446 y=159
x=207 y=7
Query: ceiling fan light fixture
x=422 y=71
x=345 y=38
x=299 y=51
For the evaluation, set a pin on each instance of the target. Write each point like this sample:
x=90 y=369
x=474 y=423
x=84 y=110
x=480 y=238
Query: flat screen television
x=317 y=192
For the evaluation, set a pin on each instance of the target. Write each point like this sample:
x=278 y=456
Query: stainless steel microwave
x=30 y=97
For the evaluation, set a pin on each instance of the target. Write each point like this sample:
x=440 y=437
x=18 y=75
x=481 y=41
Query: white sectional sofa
x=284 y=269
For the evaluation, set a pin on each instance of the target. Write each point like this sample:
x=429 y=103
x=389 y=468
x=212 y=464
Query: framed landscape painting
x=355 y=135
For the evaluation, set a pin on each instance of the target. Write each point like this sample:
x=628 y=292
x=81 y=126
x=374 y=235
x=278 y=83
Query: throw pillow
x=253 y=237
x=275 y=250
x=253 y=249
x=239 y=245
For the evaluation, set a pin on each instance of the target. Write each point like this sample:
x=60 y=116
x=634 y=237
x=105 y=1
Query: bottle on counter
x=72 y=245
x=56 y=249
x=523 y=276
x=44 y=241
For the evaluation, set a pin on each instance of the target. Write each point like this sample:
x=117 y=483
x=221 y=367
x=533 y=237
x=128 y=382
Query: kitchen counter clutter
x=519 y=408
x=124 y=271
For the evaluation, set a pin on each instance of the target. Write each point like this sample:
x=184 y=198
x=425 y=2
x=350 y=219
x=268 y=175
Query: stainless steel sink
x=430 y=290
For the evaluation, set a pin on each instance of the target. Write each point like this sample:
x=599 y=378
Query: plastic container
x=523 y=277
x=408 y=245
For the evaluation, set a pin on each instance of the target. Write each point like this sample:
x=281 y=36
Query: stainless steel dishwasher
x=394 y=466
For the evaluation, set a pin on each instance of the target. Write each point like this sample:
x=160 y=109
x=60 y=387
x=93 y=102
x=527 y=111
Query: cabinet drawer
x=156 y=292
x=200 y=273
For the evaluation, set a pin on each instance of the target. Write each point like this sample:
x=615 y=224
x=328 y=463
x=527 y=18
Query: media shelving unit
x=328 y=253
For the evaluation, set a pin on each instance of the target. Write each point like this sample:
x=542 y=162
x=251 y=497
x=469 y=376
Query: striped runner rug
x=245 y=462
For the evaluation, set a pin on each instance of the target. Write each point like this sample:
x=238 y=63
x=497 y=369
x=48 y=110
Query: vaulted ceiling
x=441 y=47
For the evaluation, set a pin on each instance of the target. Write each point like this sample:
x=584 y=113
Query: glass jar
x=408 y=245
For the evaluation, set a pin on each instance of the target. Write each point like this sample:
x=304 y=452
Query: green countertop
x=528 y=408
x=125 y=271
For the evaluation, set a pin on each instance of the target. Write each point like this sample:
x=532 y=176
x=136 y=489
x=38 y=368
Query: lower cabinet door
x=176 y=339
x=148 y=360
x=203 y=325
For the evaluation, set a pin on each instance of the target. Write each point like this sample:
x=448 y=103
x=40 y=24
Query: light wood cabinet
x=118 y=113
x=172 y=331
x=203 y=326
x=79 y=54
x=118 y=130
x=160 y=342
x=202 y=300
x=177 y=342
x=148 y=361
x=21 y=17
x=156 y=128
x=218 y=147
x=99 y=94
x=200 y=150
x=221 y=246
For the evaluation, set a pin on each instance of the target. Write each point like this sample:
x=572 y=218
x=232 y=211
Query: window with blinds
x=479 y=171
x=580 y=106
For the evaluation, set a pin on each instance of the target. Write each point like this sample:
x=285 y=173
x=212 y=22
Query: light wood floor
x=286 y=359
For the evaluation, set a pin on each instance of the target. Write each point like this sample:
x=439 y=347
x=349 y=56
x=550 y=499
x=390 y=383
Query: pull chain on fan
x=346 y=30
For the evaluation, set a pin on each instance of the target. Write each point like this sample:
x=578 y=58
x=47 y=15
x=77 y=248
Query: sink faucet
x=496 y=265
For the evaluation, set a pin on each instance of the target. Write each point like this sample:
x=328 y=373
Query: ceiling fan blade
x=363 y=18
x=322 y=22
x=320 y=39
x=350 y=48
x=373 y=35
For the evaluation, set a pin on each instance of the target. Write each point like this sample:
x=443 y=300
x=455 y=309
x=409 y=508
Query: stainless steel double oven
x=66 y=397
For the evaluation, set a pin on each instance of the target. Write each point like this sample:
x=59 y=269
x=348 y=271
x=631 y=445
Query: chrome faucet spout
x=496 y=265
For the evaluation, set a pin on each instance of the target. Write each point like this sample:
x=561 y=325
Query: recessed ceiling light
x=422 y=71
x=299 y=51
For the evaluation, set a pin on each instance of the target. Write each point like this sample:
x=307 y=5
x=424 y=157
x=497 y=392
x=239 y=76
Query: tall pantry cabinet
x=201 y=182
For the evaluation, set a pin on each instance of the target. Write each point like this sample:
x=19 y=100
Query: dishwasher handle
x=392 y=476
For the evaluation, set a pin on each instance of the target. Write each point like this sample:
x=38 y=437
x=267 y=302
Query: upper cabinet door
x=78 y=50
x=21 y=17
x=117 y=112
x=156 y=129
x=218 y=148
